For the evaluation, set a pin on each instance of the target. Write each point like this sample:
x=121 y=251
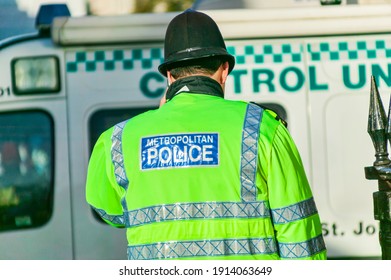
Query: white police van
x=61 y=88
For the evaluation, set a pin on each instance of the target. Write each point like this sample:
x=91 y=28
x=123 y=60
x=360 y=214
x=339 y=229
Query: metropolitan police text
x=180 y=150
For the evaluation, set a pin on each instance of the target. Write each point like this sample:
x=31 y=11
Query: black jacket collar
x=195 y=84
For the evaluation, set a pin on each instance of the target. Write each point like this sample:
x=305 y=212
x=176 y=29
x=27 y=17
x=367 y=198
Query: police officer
x=203 y=177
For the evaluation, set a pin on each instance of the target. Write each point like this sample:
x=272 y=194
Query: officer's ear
x=224 y=72
x=221 y=74
x=170 y=78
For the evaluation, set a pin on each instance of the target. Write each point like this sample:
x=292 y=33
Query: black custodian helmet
x=192 y=35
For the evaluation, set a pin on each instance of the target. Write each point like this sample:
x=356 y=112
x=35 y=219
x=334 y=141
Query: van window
x=26 y=169
x=106 y=118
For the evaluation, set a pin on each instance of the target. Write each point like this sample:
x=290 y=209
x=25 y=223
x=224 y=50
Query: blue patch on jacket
x=180 y=150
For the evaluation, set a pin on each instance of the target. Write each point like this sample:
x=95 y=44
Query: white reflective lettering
x=185 y=154
x=178 y=155
x=158 y=141
x=152 y=154
x=198 y=152
x=207 y=151
x=180 y=150
x=150 y=142
x=168 y=153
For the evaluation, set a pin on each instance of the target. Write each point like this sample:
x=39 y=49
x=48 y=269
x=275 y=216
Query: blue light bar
x=47 y=13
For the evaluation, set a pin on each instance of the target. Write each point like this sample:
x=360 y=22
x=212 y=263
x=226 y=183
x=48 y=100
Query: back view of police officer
x=203 y=177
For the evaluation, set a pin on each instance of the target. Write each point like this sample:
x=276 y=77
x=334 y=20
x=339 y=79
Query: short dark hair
x=207 y=66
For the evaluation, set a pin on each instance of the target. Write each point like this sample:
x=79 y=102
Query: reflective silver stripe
x=118 y=161
x=207 y=210
x=186 y=249
x=302 y=249
x=115 y=219
x=294 y=212
x=117 y=156
x=249 y=155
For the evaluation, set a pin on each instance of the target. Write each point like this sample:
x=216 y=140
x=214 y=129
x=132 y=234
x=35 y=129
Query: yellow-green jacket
x=205 y=178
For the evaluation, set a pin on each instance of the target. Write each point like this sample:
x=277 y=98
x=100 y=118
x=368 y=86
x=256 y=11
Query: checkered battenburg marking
x=110 y=60
x=146 y=59
x=267 y=53
x=352 y=50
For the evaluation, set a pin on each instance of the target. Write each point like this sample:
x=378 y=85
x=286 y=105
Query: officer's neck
x=197 y=84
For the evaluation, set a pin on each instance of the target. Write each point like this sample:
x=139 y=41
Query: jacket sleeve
x=295 y=217
x=102 y=191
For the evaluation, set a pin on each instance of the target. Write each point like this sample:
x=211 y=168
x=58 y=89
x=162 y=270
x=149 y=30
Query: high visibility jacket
x=206 y=178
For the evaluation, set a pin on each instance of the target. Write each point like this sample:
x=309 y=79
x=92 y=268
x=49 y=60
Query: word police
x=180 y=150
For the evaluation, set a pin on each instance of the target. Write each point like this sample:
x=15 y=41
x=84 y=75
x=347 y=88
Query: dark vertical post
x=379 y=129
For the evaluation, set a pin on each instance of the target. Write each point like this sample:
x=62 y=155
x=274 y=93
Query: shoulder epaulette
x=284 y=122
x=276 y=116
